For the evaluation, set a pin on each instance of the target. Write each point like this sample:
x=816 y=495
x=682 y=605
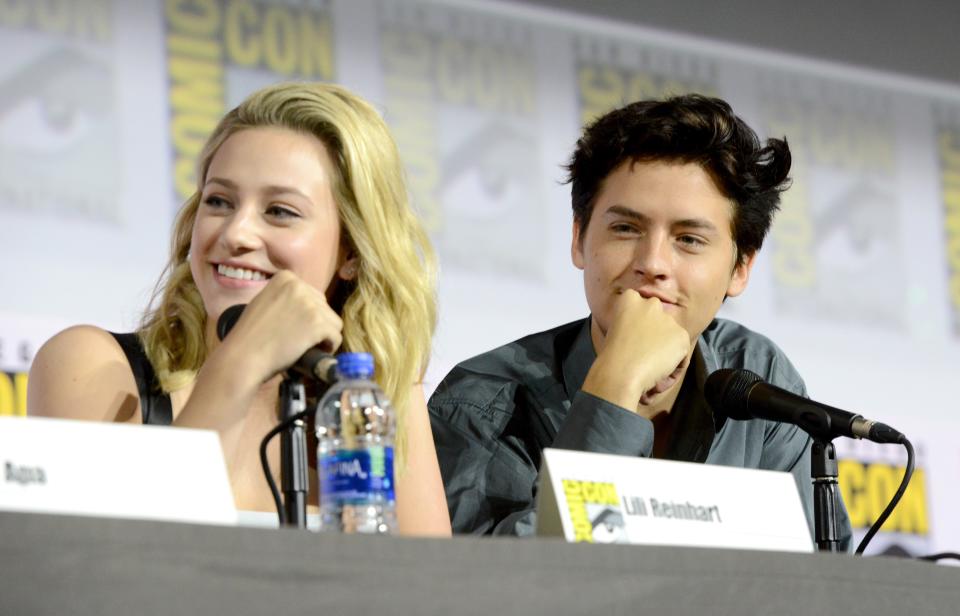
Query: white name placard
x=616 y=499
x=116 y=470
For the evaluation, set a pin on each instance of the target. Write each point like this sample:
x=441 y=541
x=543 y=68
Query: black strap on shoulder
x=154 y=403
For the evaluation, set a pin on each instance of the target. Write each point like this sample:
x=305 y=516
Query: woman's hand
x=283 y=321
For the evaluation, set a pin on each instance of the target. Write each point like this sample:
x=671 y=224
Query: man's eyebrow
x=622 y=210
x=696 y=223
x=685 y=223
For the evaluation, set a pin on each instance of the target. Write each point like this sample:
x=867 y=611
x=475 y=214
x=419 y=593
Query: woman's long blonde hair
x=389 y=309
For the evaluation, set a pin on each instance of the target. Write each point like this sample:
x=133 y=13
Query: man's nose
x=652 y=256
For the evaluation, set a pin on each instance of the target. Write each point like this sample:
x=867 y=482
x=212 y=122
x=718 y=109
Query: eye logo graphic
x=608 y=526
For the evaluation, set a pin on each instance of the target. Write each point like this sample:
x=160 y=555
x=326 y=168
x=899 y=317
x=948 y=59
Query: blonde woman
x=300 y=212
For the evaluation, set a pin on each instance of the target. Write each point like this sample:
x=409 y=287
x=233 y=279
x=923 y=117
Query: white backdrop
x=104 y=104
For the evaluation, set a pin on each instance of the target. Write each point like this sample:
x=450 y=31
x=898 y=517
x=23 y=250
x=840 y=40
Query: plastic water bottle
x=355 y=430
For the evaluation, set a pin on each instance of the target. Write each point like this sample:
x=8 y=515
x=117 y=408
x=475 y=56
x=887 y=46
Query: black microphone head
x=727 y=392
x=228 y=319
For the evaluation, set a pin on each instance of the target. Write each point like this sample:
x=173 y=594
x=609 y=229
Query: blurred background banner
x=948 y=149
x=460 y=92
x=104 y=106
x=836 y=245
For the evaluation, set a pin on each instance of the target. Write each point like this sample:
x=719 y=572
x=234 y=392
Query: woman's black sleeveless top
x=154 y=403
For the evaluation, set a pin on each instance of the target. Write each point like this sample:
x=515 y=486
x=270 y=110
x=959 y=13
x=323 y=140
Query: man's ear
x=741 y=275
x=576 y=246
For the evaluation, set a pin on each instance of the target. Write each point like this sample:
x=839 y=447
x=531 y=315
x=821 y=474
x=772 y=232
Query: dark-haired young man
x=671 y=202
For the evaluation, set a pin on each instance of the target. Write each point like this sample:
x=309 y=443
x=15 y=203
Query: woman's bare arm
x=82 y=373
x=421 y=502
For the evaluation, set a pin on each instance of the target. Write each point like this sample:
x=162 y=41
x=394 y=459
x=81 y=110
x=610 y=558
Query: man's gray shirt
x=493 y=415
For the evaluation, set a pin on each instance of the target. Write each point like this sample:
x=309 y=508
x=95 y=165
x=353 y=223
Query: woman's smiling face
x=266 y=205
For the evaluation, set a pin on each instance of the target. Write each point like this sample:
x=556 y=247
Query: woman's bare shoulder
x=82 y=373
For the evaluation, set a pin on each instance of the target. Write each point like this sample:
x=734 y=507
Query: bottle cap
x=355 y=365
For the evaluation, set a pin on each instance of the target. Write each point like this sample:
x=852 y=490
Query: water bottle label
x=356 y=476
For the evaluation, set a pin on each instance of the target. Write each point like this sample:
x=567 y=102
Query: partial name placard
x=115 y=470
x=601 y=498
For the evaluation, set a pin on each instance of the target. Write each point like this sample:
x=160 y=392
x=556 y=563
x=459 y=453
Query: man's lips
x=663 y=299
x=648 y=294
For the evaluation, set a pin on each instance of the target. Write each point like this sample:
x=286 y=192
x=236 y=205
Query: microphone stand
x=823 y=470
x=293 y=452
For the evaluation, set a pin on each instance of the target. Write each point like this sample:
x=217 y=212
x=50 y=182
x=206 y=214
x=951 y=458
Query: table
x=52 y=564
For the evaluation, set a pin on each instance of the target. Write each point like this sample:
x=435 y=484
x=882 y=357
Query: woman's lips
x=234 y=277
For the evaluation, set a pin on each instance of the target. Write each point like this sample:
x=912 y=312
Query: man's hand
x=644 y=353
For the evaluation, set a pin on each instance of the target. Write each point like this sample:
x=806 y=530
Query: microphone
x=314 y=364
x=741 y=394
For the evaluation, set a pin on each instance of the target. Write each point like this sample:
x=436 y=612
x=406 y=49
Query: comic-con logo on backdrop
x=460 y=92
x=612 y=73
x=835 y=242
x=869 y=476
x=16 y=353
x=13 y=393
x=948 y=141
x=58 y=140
x=218 y=51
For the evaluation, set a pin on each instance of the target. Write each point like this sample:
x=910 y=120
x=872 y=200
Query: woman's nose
x=241 y=230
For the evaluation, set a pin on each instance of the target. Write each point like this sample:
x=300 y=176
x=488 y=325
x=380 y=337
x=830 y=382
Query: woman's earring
x=349 y=271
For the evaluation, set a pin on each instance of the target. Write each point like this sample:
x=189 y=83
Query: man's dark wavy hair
x=688 y=129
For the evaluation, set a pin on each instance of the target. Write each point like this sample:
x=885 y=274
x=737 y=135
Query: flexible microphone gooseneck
x=741 y=394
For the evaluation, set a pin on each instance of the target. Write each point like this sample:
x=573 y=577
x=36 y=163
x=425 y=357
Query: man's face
x=663 y=229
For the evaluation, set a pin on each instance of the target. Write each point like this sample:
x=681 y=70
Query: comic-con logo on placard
x=595 y=511
x=218 y=51
x=460 y=94
x=58 y=138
